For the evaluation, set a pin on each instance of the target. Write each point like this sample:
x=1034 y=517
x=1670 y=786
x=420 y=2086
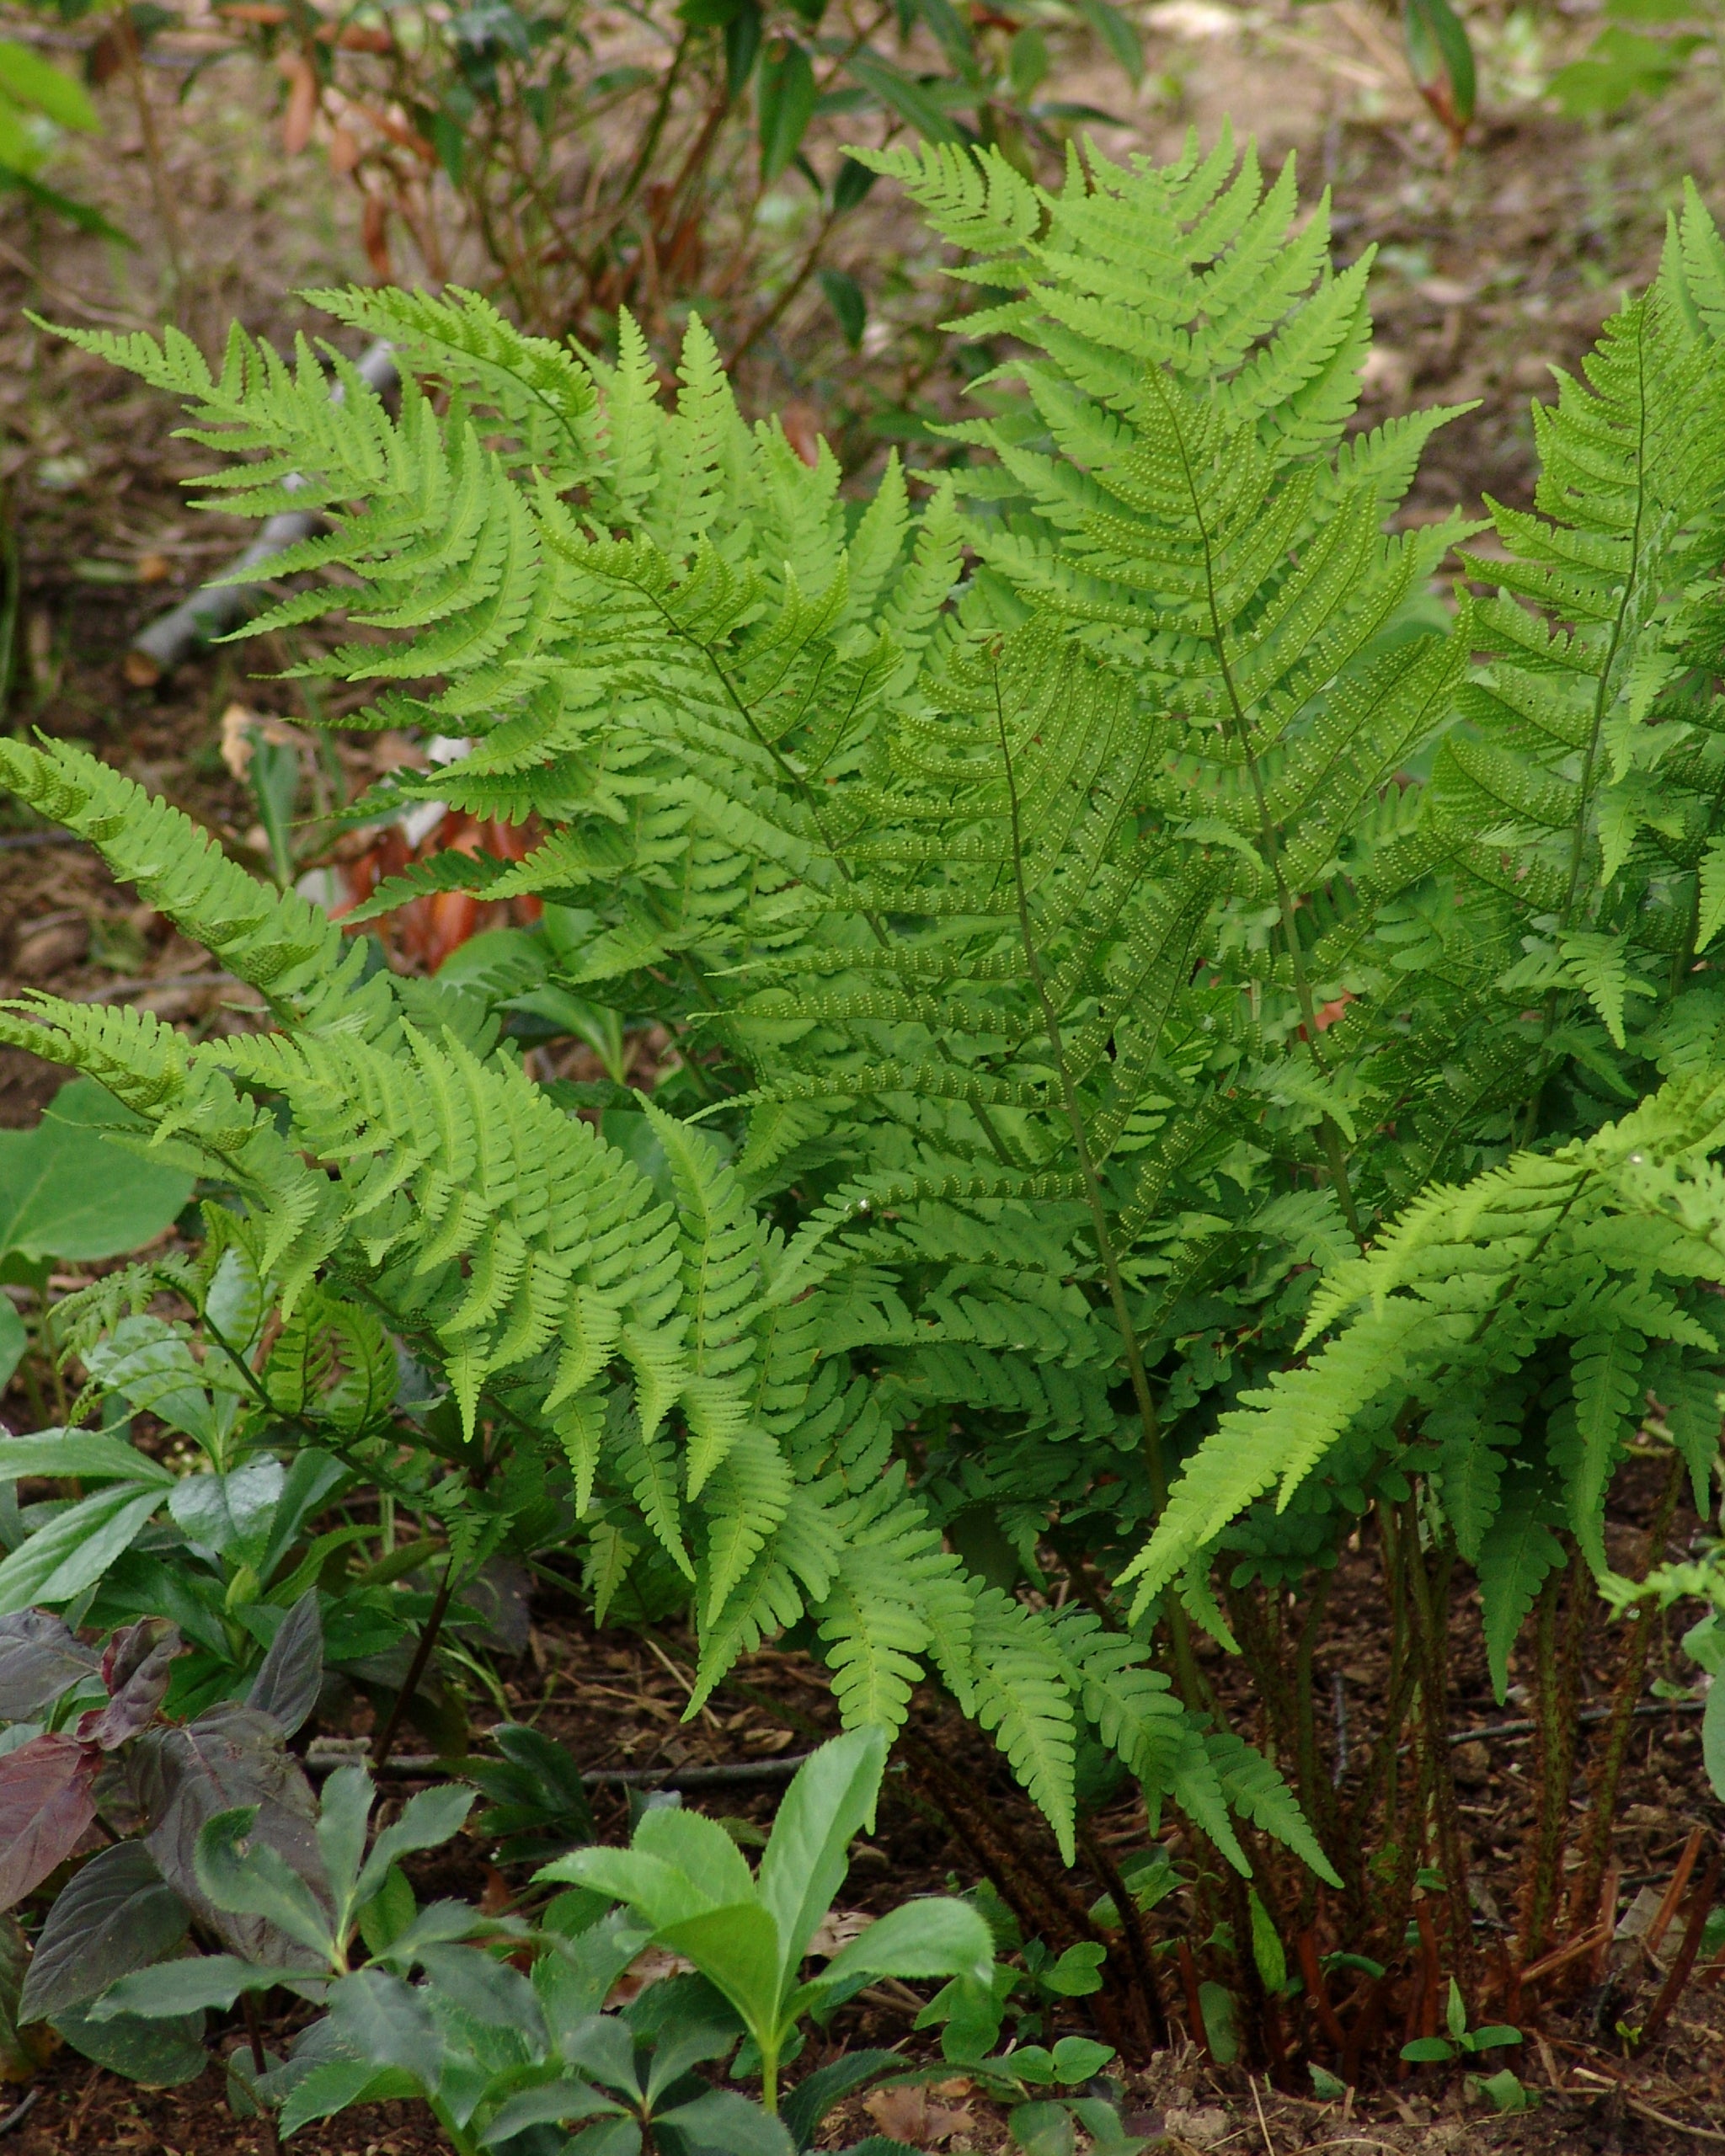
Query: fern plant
x=1111 y=940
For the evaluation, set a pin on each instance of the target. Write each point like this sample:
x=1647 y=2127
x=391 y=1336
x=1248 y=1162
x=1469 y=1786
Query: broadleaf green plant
x=748 y=1934
x=69 y=1191
x=1644 y=48
x=494 y=2052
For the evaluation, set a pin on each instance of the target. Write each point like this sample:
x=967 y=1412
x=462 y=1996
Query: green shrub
x=1176 y=1067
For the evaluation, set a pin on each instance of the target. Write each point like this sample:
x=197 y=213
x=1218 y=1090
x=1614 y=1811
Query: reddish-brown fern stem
x=1317 y=1991
x=1562 y=1611
x=1596 y=1848
x=1152 y=2014
x=1316 y=1792
x=1039 y=1898
x=1671 y=1990
x=1428 y=1599
x=1195 y=2002
x=403 y=1699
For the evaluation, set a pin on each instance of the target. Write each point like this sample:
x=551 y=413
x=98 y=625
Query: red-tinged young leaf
x=39 y=1658
x=786 y=105
x=1441 y=56
x=45 y=1805
x=230 y=1758
x=136 y=1669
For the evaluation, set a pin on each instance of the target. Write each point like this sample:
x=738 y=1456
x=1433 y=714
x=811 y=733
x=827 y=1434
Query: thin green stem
x=416 y=1669
x=1155 y=1461
x=1631 y=582
x=811 y=800
x=1330 y=1136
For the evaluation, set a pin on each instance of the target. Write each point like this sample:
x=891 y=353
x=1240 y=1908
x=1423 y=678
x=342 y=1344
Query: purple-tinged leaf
x=118 y=1915
x=39 y=1658
x=45 y=1805
x=228 y=1757
x=136 y=1670
x=287 y=1683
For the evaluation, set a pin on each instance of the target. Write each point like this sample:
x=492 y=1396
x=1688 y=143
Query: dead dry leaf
x=303 y=99
x=237 y=742
x=645 y=1969
x=908 y=2115
x=837 y=1928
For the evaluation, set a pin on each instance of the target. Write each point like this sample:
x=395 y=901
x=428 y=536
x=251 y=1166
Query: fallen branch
x=213 y=609
x=1587 y=1714
x=10 y=839
x=1664 y=2118
x=16 y=2116
x=324 y=1756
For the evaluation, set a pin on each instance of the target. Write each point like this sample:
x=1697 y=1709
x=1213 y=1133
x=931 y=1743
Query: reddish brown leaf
x=181 y=1778
x=374 y=235
x=136 y=1670
x=38 y=1660
x=45 y=1805
x=303 y=94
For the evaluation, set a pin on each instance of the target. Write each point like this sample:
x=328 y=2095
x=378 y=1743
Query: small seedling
x=1461 y=2041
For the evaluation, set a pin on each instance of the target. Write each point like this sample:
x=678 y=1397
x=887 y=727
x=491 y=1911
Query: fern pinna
x=1113 y=940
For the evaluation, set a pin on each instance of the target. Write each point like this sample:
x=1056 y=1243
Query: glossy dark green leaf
x=808 y=2104
x=1118 y=33
x=242 y=1875
x=1042 y=2129
x=18 y=2060
x=230 y=1514
x=851 y=184
x=742 y=48
x=844 y=296
x=951 y=33
x=915 y=103
x=174 y=1989
x=1027 y=63
x=380 y=2018
x=725 y=2120
x=336 y=2084
x=14 y=1340
x=787 y=105
x=160 y=2054
x=1427 y=2051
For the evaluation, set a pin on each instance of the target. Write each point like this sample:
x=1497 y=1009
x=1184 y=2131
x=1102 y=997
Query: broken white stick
x=213 y=609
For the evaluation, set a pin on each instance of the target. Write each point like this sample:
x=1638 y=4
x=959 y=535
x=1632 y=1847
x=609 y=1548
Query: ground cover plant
x=1181 y=1072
